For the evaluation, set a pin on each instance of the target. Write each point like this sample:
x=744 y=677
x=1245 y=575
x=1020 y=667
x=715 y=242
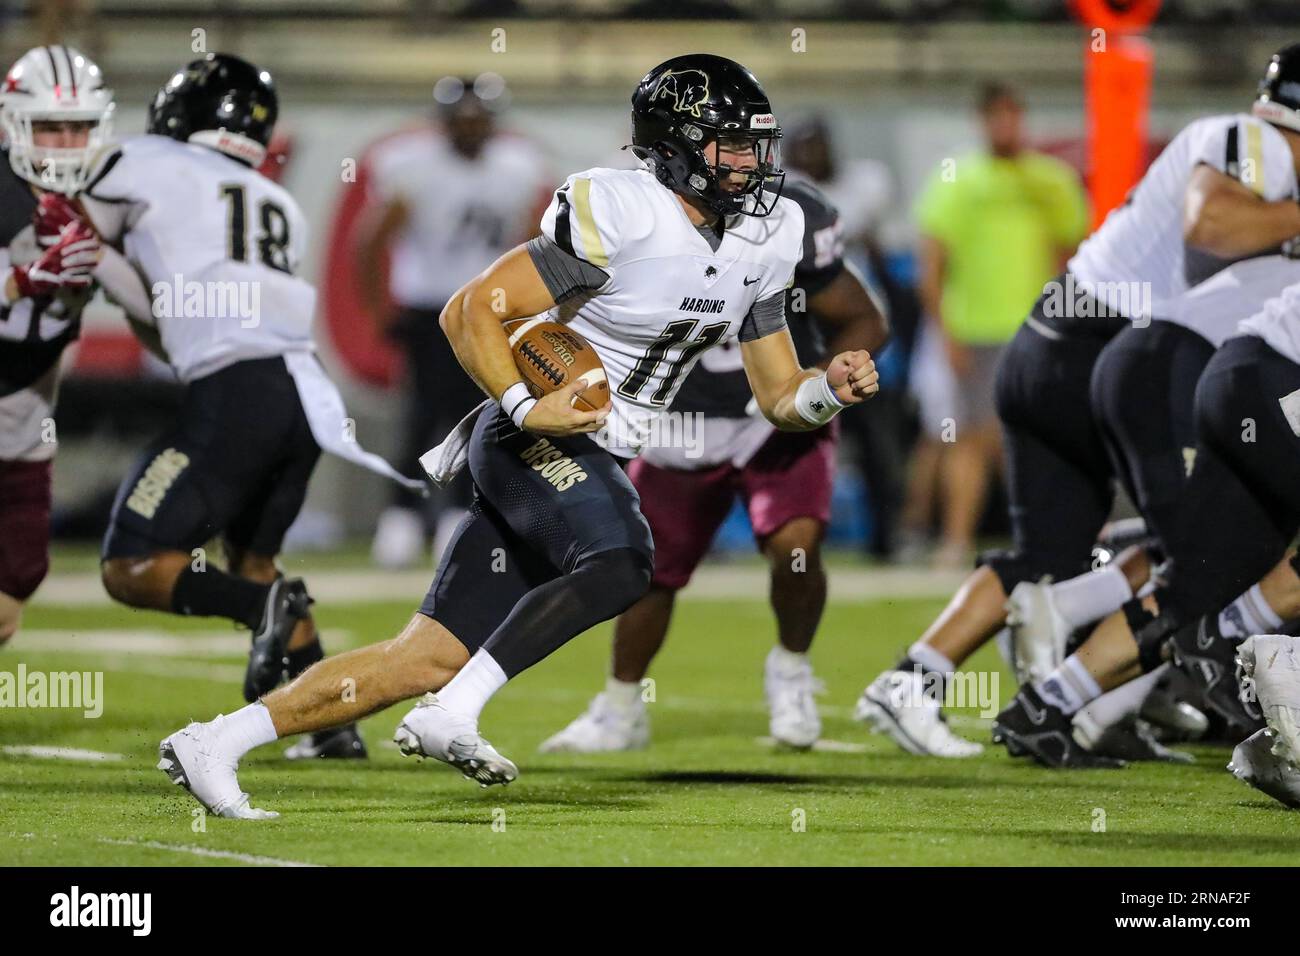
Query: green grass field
x=707 y=792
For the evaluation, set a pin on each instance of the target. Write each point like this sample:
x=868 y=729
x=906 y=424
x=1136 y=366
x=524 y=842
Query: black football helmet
x=219 y=101
x=684 y=109
x=1278 y=101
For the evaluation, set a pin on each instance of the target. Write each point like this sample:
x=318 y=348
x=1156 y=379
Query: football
x=550 y=356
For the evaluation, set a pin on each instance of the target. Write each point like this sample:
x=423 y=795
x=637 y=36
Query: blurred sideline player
x=1058 y=467
x=652 y=266
x=785 y=481
x=55 y=113
x=195 y=218
x=992 y=233
x=449 y=202
x=1238 y=514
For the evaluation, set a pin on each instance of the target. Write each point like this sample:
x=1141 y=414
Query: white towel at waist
x=327 y=417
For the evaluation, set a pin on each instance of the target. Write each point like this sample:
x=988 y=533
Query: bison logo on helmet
x=688 y=89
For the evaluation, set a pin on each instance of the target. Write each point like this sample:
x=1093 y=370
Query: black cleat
x=338 y=743
x=1134 y=740
x=287 y=603
x=1210 y=660
x=1169 y=711
x=1029 y=726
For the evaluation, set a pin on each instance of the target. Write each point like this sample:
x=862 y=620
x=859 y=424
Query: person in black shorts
x=258 y=408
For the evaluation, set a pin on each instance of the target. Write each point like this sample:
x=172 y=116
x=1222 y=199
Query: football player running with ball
x=784 y=480
x=626 y=258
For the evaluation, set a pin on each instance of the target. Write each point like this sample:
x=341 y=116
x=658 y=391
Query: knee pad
x=623 y=575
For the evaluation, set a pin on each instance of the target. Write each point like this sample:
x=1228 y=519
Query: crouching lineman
x=198 y=222
x=1199 y=207
x=55 y=112
x=623 y=258
x=785 y=481
x=1241 y=512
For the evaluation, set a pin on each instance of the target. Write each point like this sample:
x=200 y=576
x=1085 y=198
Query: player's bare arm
x=511 y=288
x=1225 y=218
x=934 y=266
x=797 y=399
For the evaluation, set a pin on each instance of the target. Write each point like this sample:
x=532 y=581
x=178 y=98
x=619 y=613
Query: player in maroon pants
x=54 y=111
x=785 y=481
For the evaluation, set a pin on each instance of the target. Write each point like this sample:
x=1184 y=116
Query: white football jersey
x=464 y=214
x=669 y=295
x=217 y=244
x=1217 y=306
x=1142 y=240
x=1278 y=323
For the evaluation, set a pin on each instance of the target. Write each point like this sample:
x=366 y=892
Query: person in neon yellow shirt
x=995 y=225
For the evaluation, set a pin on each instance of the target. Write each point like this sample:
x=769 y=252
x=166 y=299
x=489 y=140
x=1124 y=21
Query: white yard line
x=172 y=669
x=714 y=582
x=61 y=753
x=721 y=705
x=204 y=851
x=225 y=642
x=825 y=746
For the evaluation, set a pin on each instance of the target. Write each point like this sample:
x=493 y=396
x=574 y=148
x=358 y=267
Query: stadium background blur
x=894 y=80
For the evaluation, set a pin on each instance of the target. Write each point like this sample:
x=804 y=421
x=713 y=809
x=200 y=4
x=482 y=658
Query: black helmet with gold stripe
x=706 y=127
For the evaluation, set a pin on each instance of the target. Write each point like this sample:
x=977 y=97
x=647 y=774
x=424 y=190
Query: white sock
x=930 y=659
x=1069 y=687
x=1248 y=614
x=1118 y=705
x=1091 y=596
x=623 y=695
x=469 y=691
x=786 y=661
x=246 y=728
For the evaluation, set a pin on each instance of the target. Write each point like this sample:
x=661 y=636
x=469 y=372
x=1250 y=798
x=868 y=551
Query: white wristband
x=517 y=402
x=816 y=400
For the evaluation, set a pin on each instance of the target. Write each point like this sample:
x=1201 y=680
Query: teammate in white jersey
x=219 y=246
x=652 y=266
x=1237 y=514
x=1098 y=382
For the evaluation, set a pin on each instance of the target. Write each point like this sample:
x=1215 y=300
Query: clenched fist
x=852 y=376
